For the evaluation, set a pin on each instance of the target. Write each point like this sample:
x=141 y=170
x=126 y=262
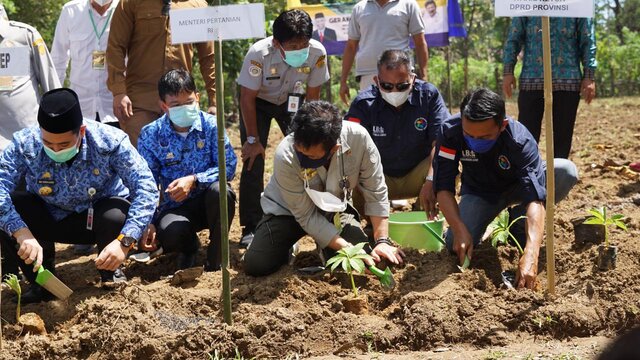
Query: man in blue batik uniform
x=501 y=166
x=182 y=152
x=86 y=184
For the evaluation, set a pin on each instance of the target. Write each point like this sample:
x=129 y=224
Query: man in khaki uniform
x=20 y=91
x=272 y=85
x=140 y=34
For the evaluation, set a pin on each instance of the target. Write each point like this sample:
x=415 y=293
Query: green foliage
x=12 y=281
x=351 y=259
x=501 y=232
x=599 y=217
x=237 y=356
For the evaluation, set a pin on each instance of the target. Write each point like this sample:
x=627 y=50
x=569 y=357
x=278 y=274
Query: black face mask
x=308 y=163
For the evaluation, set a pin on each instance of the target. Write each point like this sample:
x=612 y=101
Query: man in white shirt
x=81 y=36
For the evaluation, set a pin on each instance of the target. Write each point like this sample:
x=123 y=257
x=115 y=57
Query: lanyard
x=95 y=29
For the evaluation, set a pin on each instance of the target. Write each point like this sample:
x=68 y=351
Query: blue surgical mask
x=63 y=155
x=479 y=145
x=183 y=116
x=296 y=58
x=308 y=163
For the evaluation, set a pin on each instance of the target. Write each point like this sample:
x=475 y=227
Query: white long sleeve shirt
x=76 y=40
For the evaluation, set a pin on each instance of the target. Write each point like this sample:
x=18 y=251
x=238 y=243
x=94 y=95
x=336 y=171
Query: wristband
x=384 y=240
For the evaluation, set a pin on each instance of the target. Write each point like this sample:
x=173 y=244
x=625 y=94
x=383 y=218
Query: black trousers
x=252 y=181
x=565 y=108
x=177 y=228
x=275 y=235
x=109 y=217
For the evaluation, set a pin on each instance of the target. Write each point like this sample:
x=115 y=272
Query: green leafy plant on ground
x=599 y=217
x=350 y=259
x=12 y=281
x=501 y=233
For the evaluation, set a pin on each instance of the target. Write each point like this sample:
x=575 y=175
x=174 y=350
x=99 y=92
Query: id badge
x=90 y=218
x=294 y=103
x=6 y=83
x=98 y=59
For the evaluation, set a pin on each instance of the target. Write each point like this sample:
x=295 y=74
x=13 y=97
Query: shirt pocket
x=149 y=21
x=80 y=42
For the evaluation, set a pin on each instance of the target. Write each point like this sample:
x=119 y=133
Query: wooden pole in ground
x=548 y=123
x=222 y=174
x=449 y=90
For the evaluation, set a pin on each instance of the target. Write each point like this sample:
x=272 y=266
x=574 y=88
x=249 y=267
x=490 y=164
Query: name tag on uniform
x=98 y=59
x=294 y=103
x=14 y=61
x=273 y=78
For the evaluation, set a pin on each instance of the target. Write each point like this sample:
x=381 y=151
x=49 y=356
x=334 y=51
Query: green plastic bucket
x=412 y=229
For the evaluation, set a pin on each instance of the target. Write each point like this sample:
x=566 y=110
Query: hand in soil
x=391 y=253
x=149 y=242
x=527 y=272
x=111 y=256
x=463 y=246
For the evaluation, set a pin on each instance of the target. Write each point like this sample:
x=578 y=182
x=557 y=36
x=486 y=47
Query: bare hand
x=344 y=93
x=428 y=200
x=112 y=256
x=179 y=189
x=149 y=242
x=463 y=245
x=508 y=85
x=588 y=90
x=122 y=107
x=212 y=110
x=387 y=251
x=250 y=152
x=527 y=271
x=31 y=252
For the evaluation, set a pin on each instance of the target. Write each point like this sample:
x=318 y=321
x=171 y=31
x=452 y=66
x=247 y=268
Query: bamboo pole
x=222 y=171
x=548 y=121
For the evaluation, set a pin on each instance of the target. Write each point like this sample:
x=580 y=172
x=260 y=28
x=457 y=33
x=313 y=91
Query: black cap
x=318 y=15
x=59 y=111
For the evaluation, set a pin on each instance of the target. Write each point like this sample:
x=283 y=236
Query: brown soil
x=434 y=311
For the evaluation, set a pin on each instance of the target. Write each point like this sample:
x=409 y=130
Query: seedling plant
x=501 y=233
x=599 y=217
x=12 y=281
x=350 y=259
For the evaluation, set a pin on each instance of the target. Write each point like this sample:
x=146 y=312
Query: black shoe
x=35 y=294
x=246 y=240
x=211 y=266
x=115 y=277
x=185 y=261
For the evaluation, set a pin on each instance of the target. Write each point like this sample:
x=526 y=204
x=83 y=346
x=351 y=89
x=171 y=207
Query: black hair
x=174 y=82
x=430 y=2
x=292 y=24
x=481 y=104
x=394 y=59
x=316 y=122
x=623 y=348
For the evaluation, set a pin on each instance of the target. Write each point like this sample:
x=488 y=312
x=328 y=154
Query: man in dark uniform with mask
x=403 y=115
x=272 y=81
x=501 y=166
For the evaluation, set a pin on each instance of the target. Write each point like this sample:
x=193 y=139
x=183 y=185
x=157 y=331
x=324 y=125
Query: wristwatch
x=252 y=140
x=126 y=241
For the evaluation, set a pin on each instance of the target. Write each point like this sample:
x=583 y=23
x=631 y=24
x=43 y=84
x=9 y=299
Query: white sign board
x=550 y=8
x=227 y=22
x=15 y=61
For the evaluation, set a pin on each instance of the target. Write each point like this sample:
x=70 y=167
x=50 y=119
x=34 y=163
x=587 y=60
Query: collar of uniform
x=277 y=58
x=344 y=144
x=4 y=28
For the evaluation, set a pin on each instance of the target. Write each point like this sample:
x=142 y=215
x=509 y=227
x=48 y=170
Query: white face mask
x=102 y=2
x=396 y=98
x=326 y=201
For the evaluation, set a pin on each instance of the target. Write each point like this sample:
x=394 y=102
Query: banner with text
x=229 y=22
x=550 y=8
x=442 y=19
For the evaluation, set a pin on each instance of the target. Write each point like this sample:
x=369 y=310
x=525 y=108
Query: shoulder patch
x=255 y=63
x=321 y=61
x=39 y=44
x=255 y=71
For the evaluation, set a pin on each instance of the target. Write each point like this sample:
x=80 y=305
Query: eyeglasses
x=386 y=86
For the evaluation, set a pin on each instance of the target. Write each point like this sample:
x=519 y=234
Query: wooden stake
x=222 y=180
x=548 y=123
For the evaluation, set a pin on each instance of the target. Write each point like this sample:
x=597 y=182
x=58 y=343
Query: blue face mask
x=63 y=155
x=479 y=145
x=308 y=163
x=183 y=116
x=296 y=58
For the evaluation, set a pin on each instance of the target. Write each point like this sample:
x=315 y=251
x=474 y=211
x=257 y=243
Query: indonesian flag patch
x=447 y=153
